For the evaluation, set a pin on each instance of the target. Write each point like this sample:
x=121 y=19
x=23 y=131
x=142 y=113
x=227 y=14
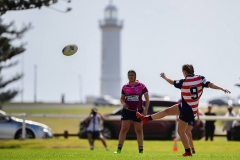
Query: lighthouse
x=110 y=53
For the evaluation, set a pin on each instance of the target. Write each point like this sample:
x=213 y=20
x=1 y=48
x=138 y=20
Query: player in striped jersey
x=191 y=90
x=190 y=126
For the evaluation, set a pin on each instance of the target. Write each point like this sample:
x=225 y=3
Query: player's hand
x=125 y=106
x=163 y=75
x=177 y=119
x=226 y=91
x=144 y=112
x=198 y=122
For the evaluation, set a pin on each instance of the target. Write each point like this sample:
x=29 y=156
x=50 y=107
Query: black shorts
x=95 y=134
x=186 y=115
x=130 y=115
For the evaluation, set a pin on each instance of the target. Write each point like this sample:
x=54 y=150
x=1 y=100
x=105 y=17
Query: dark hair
x=188 y=68
x=94 y=111
x=132 y=71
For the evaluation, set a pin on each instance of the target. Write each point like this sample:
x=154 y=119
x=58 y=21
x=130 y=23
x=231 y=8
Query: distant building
x=111 y=53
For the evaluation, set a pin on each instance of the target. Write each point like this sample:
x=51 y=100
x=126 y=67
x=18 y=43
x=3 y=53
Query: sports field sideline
x=72 y=124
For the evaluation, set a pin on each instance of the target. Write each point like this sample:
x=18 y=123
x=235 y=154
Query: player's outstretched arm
x=170 y=81
x=102 y=117
x=214 y=86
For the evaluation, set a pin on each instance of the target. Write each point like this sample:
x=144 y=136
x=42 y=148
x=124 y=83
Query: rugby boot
x=144 y=119
x=117 y=151
x=187 y=154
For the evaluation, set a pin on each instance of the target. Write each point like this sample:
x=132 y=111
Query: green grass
x=56 y=109
x=74 y=148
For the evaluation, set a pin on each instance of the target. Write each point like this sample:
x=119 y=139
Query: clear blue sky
x=158 y=36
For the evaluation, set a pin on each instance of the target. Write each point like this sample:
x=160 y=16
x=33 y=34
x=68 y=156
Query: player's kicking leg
x=173 y=110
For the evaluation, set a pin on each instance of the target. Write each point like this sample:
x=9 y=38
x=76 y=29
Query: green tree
x=7 y=53
x=9 y=5
x=8 y=34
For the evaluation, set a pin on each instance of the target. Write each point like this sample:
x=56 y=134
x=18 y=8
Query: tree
x=8 y=5
x=7 y=53
x=8 y=34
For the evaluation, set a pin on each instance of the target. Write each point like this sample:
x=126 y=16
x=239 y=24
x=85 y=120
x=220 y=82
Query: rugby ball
x=70 y=49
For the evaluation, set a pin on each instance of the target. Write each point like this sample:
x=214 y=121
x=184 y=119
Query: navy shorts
x=186 y=115
x=130 y=115
x=95 y=134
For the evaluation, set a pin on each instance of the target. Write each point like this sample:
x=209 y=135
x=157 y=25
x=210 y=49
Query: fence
x=113 y=117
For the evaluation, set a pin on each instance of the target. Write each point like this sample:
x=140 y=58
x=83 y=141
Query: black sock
x=187 y=150
x=120 y=146
x=193 y=149
x=140 y=148
x=150 y=118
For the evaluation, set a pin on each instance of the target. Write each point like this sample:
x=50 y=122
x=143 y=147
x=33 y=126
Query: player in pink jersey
x=191 y=91
x=131 y=100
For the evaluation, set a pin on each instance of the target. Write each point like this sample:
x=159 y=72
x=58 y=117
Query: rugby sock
x=187 y=150
x=120 y=146
x=193 y=150
x=140 y=148
x=150 y=118
x=91 y=147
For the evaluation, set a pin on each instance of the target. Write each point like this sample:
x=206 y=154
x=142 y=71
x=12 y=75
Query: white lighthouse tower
x=111 y=54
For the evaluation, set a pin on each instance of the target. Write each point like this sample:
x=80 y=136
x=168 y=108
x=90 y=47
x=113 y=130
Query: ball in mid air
x=70 y=49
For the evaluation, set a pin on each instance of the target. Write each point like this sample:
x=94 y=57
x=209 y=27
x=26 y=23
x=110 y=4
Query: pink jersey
x=133 y=95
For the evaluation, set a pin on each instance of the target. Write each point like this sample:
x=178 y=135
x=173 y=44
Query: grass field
x=75 y=149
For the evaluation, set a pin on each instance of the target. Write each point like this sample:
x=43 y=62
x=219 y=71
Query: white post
x=24 y=126
x=35 y=83
x=22 y=86
x=80 y=88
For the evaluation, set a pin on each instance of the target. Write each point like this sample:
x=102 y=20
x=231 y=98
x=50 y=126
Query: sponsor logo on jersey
x=133 y=98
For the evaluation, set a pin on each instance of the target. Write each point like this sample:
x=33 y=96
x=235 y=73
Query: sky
x=157 y=36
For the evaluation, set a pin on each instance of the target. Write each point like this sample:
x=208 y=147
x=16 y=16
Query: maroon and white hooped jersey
x=191 y=90
x=133 y=95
